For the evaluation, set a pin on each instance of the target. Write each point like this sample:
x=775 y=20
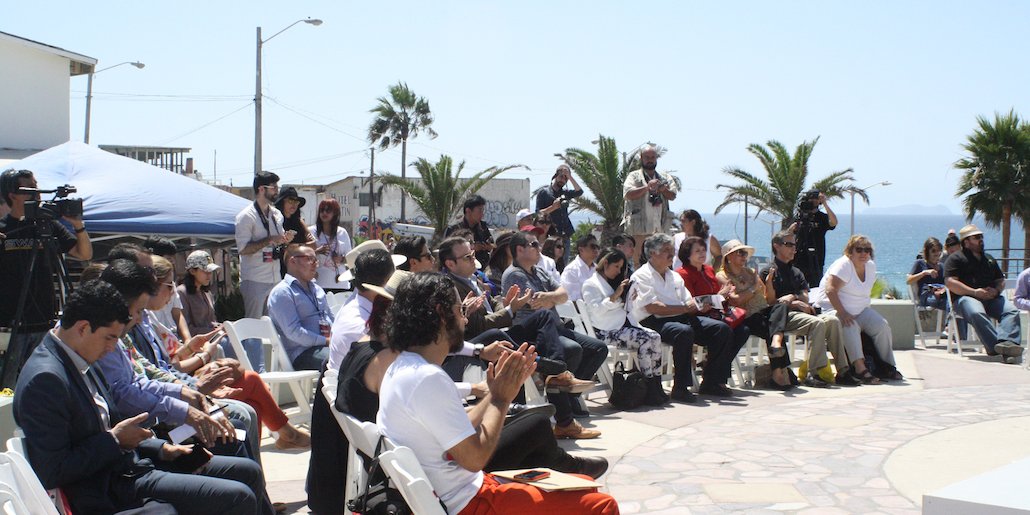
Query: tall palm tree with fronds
x=603 y=175
x=995 y=180
x=787 y=176
x=441 y=191
x=401 y=116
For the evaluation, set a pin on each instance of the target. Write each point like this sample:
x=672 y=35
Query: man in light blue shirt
x=300 y=312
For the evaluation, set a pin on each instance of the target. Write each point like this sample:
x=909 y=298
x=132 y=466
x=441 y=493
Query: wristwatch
x=477 y=349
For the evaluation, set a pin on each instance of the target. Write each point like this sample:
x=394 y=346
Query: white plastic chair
x=913 y=290
x=407 y=475
x=10 y=499
x=16 y=445
x=954 y=342
x=299 y=381
x=356 y=475
x=21 y=482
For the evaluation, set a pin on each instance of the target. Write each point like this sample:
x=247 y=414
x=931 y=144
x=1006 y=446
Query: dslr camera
x=57 y=207
x=655 y=198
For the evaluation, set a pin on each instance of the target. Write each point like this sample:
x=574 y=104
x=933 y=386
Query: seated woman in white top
x=603 y=297
x=846 y=288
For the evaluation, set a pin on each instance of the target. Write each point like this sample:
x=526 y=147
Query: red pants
x=254 y=392
x=520 y=498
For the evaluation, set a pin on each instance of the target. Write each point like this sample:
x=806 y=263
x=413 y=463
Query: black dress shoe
x=683 y=395
x=717 y=390
x=549 y=367
x=517 y=409
x=593 y=466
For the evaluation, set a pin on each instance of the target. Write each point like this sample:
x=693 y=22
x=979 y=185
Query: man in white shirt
x=420 y=408
x=661 y=302
x=581 y=268
x=261 y=239
x=372 y=265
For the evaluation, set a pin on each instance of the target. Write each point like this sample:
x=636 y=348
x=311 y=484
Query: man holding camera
x=261 y=239
x=810 y=226
x=554 y=201
x=647 y=193
x=21 y=239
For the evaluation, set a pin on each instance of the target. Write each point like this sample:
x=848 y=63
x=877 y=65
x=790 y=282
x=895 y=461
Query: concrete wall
x=34 y=98
x=505 y=197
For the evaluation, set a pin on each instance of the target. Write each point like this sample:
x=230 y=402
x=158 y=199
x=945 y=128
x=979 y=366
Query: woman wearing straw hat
x=763 y=319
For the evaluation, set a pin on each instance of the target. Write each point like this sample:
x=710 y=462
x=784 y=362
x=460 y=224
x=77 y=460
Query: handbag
x=734 y=316
x=378 y=497
x=628 y=388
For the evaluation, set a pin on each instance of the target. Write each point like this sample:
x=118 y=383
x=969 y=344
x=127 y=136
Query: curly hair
x=422 y=307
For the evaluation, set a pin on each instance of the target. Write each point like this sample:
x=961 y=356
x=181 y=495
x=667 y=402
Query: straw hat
x=390 y=288
x=967 y=231
x=366 y=246
x=734 y=245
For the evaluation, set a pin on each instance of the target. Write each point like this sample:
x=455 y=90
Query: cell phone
x=532 y=475
x=192 y=462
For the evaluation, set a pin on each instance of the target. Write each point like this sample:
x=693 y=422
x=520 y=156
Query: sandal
x=777 y=352
x=867 y=377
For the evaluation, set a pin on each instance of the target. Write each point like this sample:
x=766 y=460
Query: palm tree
x=441 y=192
x=603 y=175
x=398 y=118
x=787 y=176
x=995 y=181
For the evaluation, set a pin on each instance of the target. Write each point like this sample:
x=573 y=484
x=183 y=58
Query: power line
x=220 y=118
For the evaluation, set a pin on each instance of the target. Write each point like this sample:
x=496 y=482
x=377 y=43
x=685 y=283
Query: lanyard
x=264 y=220
x=313 y=298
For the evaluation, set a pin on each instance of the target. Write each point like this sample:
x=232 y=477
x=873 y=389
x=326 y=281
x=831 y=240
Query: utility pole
x=371 y=194
x=257 y=107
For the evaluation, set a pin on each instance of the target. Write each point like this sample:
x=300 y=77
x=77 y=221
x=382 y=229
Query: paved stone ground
x=872 y=449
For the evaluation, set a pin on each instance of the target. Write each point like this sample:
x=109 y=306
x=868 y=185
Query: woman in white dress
x=332 y=243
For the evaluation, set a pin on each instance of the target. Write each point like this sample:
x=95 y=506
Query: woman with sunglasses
x=846 y=290
x=768 y=321
x=603 y=295
x=332 y=243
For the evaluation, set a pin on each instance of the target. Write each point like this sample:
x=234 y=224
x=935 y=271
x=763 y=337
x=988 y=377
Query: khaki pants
x=824 y=334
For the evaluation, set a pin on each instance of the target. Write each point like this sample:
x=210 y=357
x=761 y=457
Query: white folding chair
x=913 y=290
x=604 y=373
x=954 y=342
x=299 y=381
x=356 y=475
x=407 y=475
x=16 y=445
x=21 y=482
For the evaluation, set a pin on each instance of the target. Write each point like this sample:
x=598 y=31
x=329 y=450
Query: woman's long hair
x=612 y=255
x=334 y=223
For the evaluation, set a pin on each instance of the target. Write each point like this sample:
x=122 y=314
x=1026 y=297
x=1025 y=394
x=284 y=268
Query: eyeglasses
x=304 y=257
x=977 y=237
x=863 y=250
x=789 y=244
x=534 y=244
x=470 y=257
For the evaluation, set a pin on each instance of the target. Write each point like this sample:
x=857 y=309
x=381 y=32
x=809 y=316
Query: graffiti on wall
x=382 y=229
x=502 y=213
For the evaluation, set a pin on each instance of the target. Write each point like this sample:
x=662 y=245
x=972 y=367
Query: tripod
x=43 y=243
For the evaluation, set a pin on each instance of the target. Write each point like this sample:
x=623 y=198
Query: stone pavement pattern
x=872 y=449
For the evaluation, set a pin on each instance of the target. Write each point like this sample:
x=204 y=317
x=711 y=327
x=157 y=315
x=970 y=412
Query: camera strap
x=264 y=219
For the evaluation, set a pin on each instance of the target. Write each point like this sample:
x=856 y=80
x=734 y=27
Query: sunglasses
x=326 y=209
x=789 y=244
x=428 y=255
x=863 y=250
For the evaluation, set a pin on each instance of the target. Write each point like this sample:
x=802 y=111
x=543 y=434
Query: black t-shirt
x=973 y=272
x=15 y=255
x=788 y=279
x=352 y=397
x=560 y=216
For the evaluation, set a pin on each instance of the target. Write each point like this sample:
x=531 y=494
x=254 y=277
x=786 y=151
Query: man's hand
x=506 y=377
x=510 y=295
x=472 y=303
x=495 y=350
x=128 y=432
x=212 y=378
x=288 y=236
x=209 y=430
x=192 y=397
x=480 y=390
x=822 y=199
x=538 y=301
x=520 y=301
x=226 y=392
x=804 y=307
x=705 y=307
x=170 y=451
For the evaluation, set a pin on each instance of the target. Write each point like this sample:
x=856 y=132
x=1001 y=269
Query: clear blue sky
x=891 y=87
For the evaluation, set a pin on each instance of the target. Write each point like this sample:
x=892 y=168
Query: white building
x=35 y=95
x=504 y=198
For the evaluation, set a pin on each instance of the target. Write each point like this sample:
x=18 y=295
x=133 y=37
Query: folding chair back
x=954 y=341
x=913 y=290
x=407 y=475
x=21 y=483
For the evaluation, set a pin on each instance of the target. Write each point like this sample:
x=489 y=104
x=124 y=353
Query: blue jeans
x=225 y=486
x=980 y=314
x=312 y=358
x=252 y=346
x=929 y=300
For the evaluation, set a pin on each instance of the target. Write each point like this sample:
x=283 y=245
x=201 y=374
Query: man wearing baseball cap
x=976 y=282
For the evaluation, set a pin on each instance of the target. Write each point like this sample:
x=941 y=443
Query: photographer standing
x=647 y=193
x=261 y=239
x=810 y=227
x=554 y=201
x=20 y=239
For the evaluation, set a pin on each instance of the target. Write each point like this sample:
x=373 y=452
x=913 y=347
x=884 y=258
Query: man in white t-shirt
x=420 y=408
x=260 y=239
x=580 y=269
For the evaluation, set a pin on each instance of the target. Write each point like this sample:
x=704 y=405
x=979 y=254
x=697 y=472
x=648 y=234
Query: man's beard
x=455 y=336
x=269 y=196
x=649 y=166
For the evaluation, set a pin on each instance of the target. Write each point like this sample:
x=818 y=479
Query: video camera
x=57 y=207
x=809 y=201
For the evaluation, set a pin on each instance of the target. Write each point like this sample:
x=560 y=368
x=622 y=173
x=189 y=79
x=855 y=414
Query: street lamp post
x=852 y=191
x=89 y=92
x=257 y=89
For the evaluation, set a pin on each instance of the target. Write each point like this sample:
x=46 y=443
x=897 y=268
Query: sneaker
x=1008 y=349
x=575 y=431
x=717 y=390
x=816 y=382
x=565 y=382
x=683 y=395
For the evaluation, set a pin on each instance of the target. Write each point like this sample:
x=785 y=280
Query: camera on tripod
x=57 y=207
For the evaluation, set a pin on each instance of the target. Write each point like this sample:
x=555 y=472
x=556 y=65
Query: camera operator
x=810 y=227
x=261 y=239
x=647 y=193
x=21 y=237
x=554 y=201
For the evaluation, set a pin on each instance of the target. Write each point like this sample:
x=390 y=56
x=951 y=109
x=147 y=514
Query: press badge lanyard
x=323 y=324
x=264 y=220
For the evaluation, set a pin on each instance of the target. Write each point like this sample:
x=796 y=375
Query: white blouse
x=604 y=314
x=328 y=271
x=854 y=295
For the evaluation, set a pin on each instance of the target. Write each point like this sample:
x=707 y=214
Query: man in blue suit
x=77 y=441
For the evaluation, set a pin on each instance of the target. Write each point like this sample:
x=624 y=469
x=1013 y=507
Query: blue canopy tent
x=123 y=196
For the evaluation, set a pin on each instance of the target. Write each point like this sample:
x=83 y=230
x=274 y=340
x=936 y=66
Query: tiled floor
x=871 y=449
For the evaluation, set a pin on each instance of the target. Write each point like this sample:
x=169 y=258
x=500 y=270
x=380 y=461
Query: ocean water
x=897 y=239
